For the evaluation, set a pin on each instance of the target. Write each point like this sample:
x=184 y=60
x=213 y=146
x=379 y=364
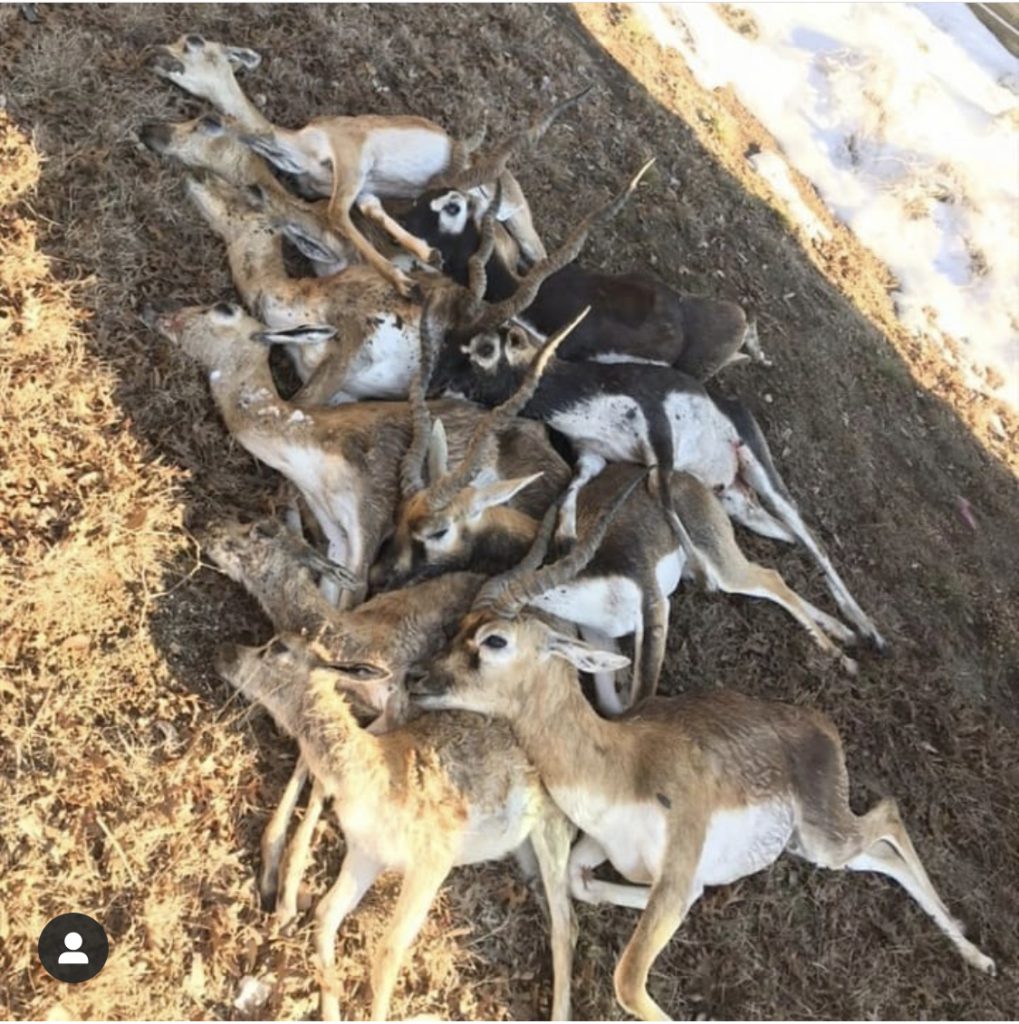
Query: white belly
x=669 y=571
x=632 y=835
x=612 y=605
x=740 y=842
x=491 y=836
x=612 y=426
x=404 y=159
x=704 y=441
x=386 y=362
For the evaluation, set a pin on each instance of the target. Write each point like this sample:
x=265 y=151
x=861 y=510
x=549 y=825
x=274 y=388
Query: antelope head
x=502 y=650
x=280 y=674
x=201 y=66
x=440 y=520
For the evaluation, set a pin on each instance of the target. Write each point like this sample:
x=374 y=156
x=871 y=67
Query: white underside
x=614 y=427
x=738 y=842
x=404 y=159
x=386 y=362
x=611 y=604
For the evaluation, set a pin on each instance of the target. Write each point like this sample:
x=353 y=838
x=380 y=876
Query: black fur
x=634 y=315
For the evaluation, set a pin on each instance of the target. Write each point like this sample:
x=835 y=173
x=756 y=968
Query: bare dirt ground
x=133 y=788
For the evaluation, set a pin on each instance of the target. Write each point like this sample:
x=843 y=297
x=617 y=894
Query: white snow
x=905 y=119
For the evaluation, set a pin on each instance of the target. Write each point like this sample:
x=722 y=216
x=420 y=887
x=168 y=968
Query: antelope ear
x=279 y=154
x=498 y=493
x=518 y=338
x=242 y=57
x=311 y=247
x=306 y=334
x=438 y=452
x=255 y=197
x=583 y=656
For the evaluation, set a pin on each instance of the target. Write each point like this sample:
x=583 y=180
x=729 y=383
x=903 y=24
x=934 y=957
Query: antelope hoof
x=284 y=915
x=403 y=284
x=987 y=965
x=267 y=898
x=877 y=641
x=566 y=537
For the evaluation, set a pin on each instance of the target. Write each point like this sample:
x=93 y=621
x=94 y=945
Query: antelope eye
x=225 y=310
x=486 y=350
x=209 y=123
x=360 y=671
x=452 y=208
x=194 y=42
x=494 y=642
x=438 y=534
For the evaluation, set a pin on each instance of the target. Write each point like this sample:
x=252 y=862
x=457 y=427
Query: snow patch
x=906 y=121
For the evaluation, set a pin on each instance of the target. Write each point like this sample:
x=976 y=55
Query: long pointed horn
x=412 y=465
x=526 y=293
x=477 y=275
x=490 y=167
x=508 y=593
x=498 y=419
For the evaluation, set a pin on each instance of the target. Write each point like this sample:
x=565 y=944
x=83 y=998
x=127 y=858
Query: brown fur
x=689 y=759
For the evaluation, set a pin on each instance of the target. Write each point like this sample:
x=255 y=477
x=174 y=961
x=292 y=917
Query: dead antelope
x=624 y=590
x=365 y=344
x=345 y=461
x=634 y=317
x=656 y=416
x=206 y=144
x=377 y=643
x=678 y=793
x=355 y=161
x=472 y=796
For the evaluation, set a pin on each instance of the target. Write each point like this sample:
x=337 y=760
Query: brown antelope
x=207 y=144
x=624 y=590
x=356 y=161
x=346 y=460
x=371 y=352
x=377 y=642
x=440 y=791
x=678 y=793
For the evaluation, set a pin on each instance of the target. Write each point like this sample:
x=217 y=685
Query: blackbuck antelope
x=357 y=161
x=378 y=341
x=440 y=791
x=206 y=144
x=367 y=343
x=678 y=793
x=346 y=460
x=377 y=643
x=624 y=590
x=656 y=416
x=634 y=317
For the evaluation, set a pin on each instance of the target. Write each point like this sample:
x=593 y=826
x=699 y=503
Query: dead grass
x=134 y=789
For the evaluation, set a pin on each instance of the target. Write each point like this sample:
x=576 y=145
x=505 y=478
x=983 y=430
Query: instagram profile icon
x=73 y=948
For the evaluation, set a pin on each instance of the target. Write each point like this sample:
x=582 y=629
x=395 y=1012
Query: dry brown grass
x=134 y=789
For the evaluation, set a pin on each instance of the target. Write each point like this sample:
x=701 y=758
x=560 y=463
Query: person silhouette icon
x=73 y=953
x=73 y=947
